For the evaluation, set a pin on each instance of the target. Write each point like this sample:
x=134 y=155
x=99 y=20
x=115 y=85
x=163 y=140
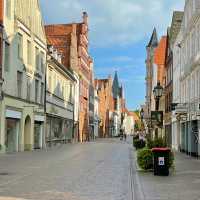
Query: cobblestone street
x=97 y=170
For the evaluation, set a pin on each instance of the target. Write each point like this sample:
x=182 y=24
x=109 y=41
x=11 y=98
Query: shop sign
x=13 y=114
x=157 y=118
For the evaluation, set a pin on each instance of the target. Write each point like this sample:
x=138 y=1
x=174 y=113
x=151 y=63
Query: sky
x=119 y=33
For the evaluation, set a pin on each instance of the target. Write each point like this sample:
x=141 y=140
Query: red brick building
x=72 y=41
x=111 y=106
x=106 y=104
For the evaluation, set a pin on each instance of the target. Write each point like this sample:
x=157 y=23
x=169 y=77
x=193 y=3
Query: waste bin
x=161 y=161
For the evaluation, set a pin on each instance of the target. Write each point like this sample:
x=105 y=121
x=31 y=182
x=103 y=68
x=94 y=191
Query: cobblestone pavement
x=91 y=171
x=182 y=184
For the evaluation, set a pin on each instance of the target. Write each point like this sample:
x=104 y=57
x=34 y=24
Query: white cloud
x=114 y=22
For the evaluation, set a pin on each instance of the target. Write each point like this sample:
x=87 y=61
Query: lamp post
x=158 y=92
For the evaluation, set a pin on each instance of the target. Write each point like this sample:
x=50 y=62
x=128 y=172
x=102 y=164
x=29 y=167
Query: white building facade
x=22 y=108
x=187 y=85
x=60 y=100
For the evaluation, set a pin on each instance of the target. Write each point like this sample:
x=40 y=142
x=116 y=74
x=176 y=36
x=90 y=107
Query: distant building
x=111 y=106
x=105 y=105
x=96 y=113
x=129 y=123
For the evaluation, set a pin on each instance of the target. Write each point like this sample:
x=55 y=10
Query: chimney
x=85 y=18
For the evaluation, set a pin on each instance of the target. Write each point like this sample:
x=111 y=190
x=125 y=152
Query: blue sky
x=119 y=32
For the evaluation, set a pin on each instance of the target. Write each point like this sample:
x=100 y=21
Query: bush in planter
x=139 y=144
x=157 y=142
x=145 y=158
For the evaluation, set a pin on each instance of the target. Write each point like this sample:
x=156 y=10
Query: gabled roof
x=154 y=39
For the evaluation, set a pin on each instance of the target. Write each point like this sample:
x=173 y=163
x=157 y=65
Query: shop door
x=37 y=135
x=12 y=130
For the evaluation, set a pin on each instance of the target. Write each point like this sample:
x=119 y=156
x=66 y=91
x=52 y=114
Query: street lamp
x=158 y=92
x=142 y=114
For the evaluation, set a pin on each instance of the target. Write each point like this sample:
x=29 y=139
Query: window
x=49 y=82
x=20 y=46
x=8 y=8
x=42 y=94
x=28 y=92
x=37 y=61
x=19 y=84
x=36 y=90
x=29 y=58
x=71 y=93
x=7 y=56
x=42 y=60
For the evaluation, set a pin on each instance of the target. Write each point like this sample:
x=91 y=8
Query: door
x=12 y=132
x=37 y=135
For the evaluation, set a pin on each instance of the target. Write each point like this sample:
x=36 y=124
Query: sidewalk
x=182 y=184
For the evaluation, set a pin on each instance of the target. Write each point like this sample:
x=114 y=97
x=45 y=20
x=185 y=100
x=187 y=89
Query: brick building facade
x=72 y=41
x=106 y=104
x=111 y=106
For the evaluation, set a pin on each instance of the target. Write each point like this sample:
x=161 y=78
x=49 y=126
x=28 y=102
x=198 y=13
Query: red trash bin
x=161 y=161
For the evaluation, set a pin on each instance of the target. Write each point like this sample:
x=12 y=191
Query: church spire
x=154 y=39
x=115 y=87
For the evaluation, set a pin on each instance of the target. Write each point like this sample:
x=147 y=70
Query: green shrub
x=157 y=142
x=145 y=158
x=139 y=144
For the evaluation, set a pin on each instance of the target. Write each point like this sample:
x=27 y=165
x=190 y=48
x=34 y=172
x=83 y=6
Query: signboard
x=157 y=118
x=161 y=161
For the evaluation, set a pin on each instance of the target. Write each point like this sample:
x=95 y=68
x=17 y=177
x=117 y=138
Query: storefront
x=58 y=130
x=12 y=136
